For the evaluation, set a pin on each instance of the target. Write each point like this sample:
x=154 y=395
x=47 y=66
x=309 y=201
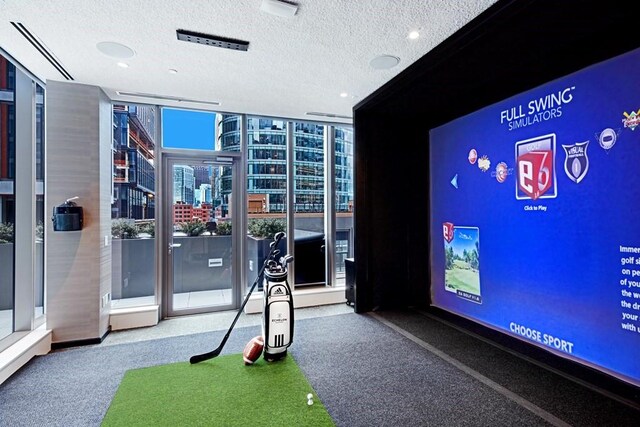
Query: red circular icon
x=473 y=156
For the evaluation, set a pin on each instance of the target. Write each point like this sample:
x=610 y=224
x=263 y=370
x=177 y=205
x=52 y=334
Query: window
x=191 y=129
x=267 y=188
x=309 y=190
x=344 y=199
x=133 y=209
x=7 y=194
x=21 y=233
x=39 y=203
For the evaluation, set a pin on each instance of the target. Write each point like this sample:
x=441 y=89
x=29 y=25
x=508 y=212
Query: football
x=253 y=350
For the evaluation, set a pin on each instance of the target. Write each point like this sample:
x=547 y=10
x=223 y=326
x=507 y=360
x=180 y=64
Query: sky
x=188 y=129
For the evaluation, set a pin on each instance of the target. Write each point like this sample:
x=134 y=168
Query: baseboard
x=76 y=343
x=34 y=343
x=303 y=297
x=133 y=317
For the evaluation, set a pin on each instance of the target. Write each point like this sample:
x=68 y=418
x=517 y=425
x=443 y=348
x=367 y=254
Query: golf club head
x=206 y=356
x=278 y=236
x=275 y=253
x=286 y=260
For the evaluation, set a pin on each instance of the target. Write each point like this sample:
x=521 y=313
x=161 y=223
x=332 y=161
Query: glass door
x=202 y=255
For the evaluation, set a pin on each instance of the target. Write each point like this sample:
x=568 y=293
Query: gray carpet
x=364 y=372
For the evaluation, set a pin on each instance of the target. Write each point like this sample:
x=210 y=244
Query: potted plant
x=6 y=266
x=266 y=228
x=39 y=231
x=123 y=228
x=148 y=228
x=223 y=228
x=193 y=228
x=261 y=232
x=6 y=232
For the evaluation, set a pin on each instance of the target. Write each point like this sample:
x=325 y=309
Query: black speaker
x=350 y=279
x=67 y=217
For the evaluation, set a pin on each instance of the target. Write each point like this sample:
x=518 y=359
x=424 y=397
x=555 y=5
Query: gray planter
x=6 y=276
x=309 y=257
x=133 y=268
x=202 y=263
x=257 y=250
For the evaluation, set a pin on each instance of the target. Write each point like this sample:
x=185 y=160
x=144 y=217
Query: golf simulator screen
x=535 y=216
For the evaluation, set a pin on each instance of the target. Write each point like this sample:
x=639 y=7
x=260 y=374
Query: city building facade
x=267 y=164
x=133 y=162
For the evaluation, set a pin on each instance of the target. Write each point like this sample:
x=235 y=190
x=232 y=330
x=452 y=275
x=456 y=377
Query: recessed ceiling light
x=284 y=9
x=115 y=50
x=384 y=62
x=344 y=94
x=173 y=71
x=414 y=35
x=123 y=65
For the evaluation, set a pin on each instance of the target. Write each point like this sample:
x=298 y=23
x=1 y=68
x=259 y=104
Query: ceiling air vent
x=40 y=47
x=210 y=40
x=331 y=115
x=164 y=97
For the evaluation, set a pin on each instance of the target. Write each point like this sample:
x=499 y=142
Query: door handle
x=174 y=245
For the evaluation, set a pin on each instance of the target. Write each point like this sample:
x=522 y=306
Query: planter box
x=203 y=263
x=191 y=263
x=133 y=265
x=309 y=257
x=6 y=276
x=133 y=268
x=257 y=251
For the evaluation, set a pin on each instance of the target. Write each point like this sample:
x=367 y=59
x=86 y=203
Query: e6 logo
x=535 y=165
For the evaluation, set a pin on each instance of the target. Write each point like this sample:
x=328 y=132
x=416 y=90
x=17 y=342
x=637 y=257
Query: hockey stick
x=214 y=353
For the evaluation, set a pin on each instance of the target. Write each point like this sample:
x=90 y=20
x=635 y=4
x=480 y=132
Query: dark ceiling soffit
x=458 y=40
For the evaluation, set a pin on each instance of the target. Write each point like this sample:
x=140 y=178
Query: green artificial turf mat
x=219 y=392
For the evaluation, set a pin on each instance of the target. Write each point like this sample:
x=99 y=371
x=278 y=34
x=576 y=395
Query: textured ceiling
x=293 y=65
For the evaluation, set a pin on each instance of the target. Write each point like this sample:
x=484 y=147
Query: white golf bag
x=277 y=310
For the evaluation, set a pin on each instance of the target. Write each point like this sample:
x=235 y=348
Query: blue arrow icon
x=454 y=181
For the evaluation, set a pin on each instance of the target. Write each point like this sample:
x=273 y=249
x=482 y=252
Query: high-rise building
x=183 y=184
x=7 y=141
x=133 y=162
x=202 y=175
x=266 y=168
x=205 y=193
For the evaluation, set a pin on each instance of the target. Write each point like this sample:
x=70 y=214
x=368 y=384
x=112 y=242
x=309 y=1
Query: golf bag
x=277 y=310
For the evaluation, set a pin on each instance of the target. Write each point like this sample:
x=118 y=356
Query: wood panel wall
x=78 y=164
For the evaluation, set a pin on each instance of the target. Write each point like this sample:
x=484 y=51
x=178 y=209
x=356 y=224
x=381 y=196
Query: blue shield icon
x=576 y=162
